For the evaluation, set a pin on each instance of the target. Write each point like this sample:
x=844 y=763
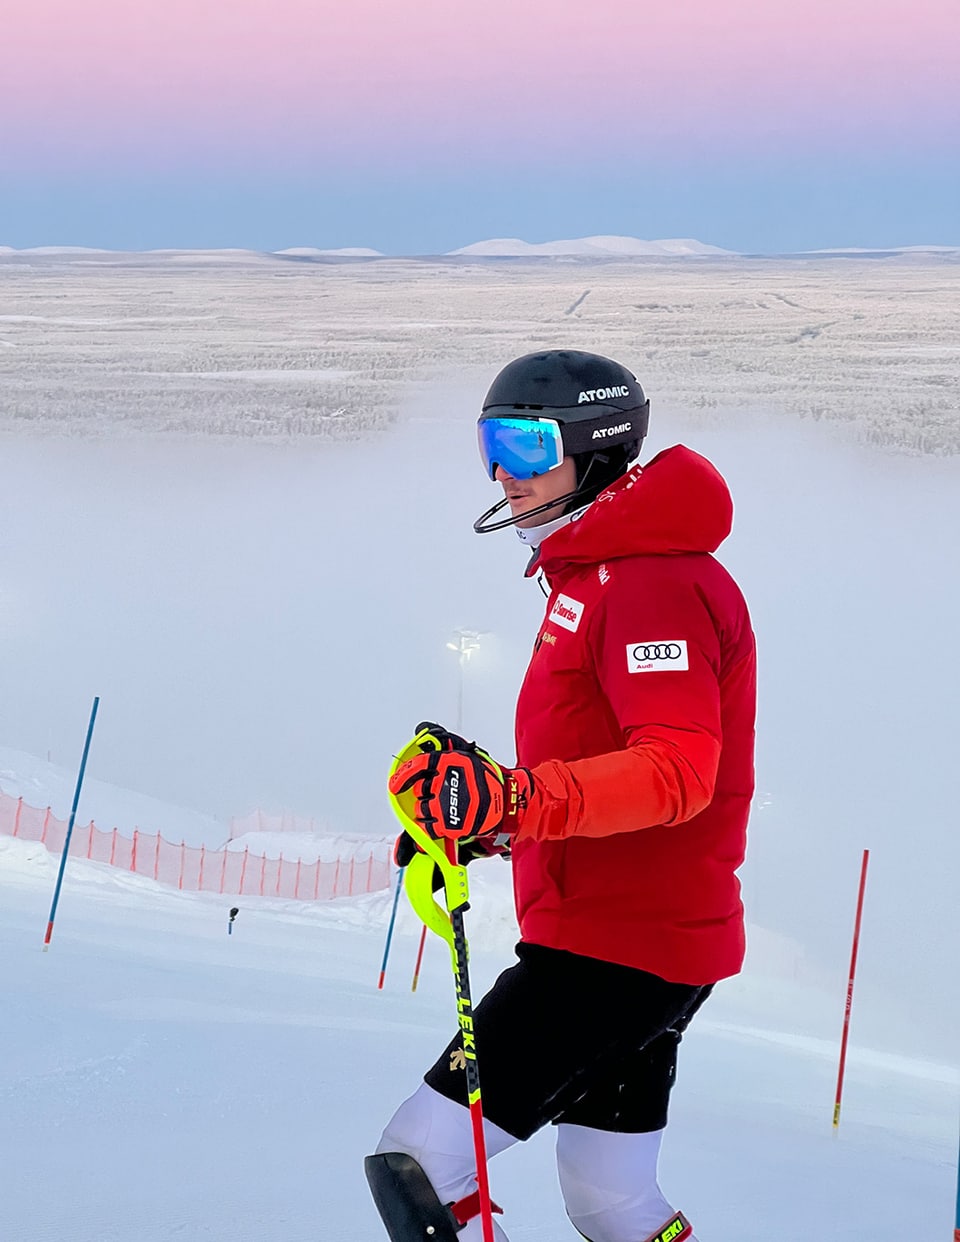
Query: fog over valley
x=267 y=623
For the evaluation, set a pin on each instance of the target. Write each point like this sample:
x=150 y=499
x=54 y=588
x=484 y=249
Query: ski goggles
x=523 y=447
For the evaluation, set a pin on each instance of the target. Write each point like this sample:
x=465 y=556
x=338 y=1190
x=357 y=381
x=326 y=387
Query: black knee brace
x=407 y=1203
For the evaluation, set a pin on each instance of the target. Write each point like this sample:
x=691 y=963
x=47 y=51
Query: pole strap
x=418 y=878
x=465 y=1209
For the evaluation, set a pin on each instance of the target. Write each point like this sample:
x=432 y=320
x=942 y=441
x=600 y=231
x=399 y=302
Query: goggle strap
x=625 y=425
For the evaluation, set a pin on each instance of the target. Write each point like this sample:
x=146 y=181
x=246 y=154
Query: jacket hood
x=677 y=503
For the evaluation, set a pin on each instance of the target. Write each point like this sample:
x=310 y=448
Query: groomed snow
x=163 y=1081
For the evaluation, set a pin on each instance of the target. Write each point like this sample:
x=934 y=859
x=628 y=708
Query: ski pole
x=416 y=969
x=73 y=816
x=461 y=977
x=393 y=919
x=850 y=981
x=449 y=925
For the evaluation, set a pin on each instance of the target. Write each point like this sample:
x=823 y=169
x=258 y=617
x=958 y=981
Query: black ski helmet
x=599 y=404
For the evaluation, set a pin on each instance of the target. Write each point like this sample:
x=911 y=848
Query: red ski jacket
x=636 y=717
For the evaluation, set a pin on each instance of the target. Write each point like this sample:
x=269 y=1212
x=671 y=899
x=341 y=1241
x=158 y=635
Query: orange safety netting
x=200 y=870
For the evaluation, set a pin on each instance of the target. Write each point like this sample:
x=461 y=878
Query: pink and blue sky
x=415 y=126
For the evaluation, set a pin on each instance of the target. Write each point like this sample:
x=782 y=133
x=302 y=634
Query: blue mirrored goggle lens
x=522 y=446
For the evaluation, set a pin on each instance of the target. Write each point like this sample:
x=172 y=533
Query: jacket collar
x=677 y=503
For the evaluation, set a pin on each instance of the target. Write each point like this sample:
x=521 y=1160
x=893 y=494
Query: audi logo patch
x=661 y=657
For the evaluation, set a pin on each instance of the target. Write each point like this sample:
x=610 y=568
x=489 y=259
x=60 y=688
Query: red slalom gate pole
x=849 y=1004
x=416 y=969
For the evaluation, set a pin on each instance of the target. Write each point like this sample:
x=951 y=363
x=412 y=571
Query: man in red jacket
x=626 y=815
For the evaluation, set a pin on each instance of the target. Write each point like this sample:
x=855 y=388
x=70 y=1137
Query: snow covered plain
x=113 y=344
x=161 y=1080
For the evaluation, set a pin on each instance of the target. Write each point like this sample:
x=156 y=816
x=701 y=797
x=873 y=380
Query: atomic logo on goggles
x=602 y=432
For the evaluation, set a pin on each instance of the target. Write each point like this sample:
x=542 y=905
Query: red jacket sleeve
x=656 y=656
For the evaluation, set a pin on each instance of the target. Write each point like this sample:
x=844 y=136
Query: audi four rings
x=657 y=651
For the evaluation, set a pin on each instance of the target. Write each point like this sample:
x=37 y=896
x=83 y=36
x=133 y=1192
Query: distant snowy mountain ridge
x=601 y=246
x=347 y=252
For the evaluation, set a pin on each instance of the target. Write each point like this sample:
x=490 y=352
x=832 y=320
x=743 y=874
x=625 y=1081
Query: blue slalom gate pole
x=73 y=816
x=393 y=919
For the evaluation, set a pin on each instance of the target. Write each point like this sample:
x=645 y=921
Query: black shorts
x=566 y=1038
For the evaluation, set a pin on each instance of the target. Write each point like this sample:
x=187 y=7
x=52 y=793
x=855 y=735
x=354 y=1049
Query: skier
x=625 y=817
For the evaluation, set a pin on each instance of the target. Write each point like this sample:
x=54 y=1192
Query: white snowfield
x=163 y=1081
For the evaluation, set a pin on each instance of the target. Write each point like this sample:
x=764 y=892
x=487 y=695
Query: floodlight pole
x=464 y=643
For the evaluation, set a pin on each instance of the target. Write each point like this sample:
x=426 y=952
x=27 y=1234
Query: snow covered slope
x=42 y=784
x=163 y=1081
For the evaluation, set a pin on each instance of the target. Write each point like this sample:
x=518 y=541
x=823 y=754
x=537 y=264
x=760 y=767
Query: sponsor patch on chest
x=566 y=612
x=658 y=657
